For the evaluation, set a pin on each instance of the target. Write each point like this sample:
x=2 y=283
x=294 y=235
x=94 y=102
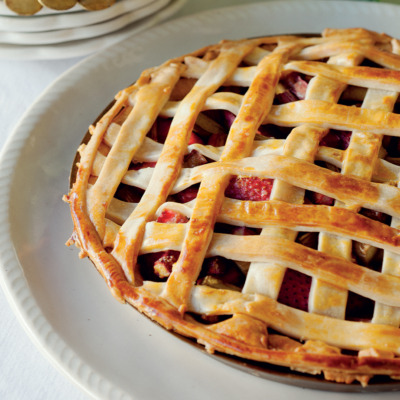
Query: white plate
x=109 y=349
x=4 y=10
x=83 y=32
x=78 y=48
x=65 y=20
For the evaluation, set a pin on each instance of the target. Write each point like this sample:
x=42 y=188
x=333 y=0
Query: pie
x=247 y=196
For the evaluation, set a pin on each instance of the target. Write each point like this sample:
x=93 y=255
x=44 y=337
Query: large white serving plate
x=83 y=32
x=82 y=40
x=69 y=19
x=109 y=349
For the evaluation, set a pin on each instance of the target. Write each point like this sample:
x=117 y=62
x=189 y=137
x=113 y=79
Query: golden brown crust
x=244 y=78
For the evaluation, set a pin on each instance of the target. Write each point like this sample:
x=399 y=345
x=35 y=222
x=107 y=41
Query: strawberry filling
x=376 y=215
x=222 y=269
x=318 y=198
x=249 y=188
x=130 y=194
x=336 y=139
x=141 y=165
x=160 y=130
x=285 y=97
x=359 y=308
x=295 y=289
x=235 y=230
x=157 y=266
x=194 y=159
x=242 y=231
x=217 y=139
x=172 y=217
x=195 y=139
x=186 y=195
x=295 y=86
x=393 y=147
x=228 y=117
x=267 y=130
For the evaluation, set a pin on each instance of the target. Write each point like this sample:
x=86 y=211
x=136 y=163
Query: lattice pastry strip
x=390 y=265
x=255 y=106
x=170 y=160
x=360 y=161
x=267 y=279
x=325 y=298
x=384 y=314
x=197 y=187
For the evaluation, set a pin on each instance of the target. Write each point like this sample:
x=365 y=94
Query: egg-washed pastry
x=246 y=196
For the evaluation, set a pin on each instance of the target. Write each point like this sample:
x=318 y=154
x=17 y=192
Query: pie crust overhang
x=246 y=195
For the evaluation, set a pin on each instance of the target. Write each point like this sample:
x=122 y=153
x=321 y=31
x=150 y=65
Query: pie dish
x=246 y=196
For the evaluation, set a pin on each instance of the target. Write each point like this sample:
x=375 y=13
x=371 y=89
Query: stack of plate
x=51 y=34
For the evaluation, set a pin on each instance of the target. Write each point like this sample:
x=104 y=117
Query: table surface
x=25 y=373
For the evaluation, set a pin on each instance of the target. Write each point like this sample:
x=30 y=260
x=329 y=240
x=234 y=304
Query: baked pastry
x=246 y=195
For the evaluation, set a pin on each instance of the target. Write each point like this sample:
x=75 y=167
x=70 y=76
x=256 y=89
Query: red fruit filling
x=141 y=165
x=296 y=87
x=249 y=188
x=359 y=308
x=233 y=89
x=297 y=84
x=162 y=128
x=336 y=139
x=295 y=289
x=273 y=131
x=393 y=147
x=172 y=217
x=308 y=239
x=235 y=230
x=285 y=97
x=318 y=198
x=194 y=159
x=195 y=139
x=157 y=266
x=128 y=193
x=217 y=139
x=223 y=269
x=229 y=117
x=186 y=195
x=376 y=215
x=243 y=231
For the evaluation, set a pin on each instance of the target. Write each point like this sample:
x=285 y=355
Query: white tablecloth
x=25 y=374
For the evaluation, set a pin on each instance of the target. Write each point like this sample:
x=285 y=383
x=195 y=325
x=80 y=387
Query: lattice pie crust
x=246 y=195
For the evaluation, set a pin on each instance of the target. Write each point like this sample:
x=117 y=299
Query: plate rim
x=65 y=20
x=87 y=46
x=83 y=32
